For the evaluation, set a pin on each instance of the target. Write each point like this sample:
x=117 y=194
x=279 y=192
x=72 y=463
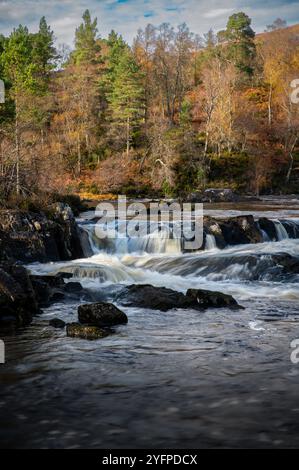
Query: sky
x=126 y=16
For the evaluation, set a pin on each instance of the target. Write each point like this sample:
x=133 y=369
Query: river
x=181 y=379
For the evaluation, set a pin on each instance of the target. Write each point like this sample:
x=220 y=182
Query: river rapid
x=181 y=379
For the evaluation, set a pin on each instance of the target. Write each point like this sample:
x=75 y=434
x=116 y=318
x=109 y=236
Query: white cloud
x=126 y=17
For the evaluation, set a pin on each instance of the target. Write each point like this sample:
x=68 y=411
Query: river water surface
x=181 y=379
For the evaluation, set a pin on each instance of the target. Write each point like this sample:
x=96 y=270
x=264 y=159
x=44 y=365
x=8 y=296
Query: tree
x=20 y=71
x=277 y=24
x=87 y=47
x=126 y=99
x=44 y=52
x=240 y=47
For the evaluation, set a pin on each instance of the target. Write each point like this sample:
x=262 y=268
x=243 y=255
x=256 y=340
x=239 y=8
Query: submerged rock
x=57 y=323
x=75 y=330
x=208 y=299
x=73 y=287
x=160 y=298
x=101 y=315
x=155 y=298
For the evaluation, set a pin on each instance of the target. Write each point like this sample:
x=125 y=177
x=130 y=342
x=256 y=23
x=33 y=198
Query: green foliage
x=240 y=36
x=87 y=46
x=126 y=98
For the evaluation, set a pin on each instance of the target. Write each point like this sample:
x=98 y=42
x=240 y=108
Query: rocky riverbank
x=28 y=237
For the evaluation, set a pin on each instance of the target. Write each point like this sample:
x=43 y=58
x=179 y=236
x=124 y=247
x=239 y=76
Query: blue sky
x=126 y=16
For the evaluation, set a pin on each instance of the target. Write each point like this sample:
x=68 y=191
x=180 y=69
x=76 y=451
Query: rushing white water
x=210 y=242
x=210 y=373
x=244 y=270
x=282 y=234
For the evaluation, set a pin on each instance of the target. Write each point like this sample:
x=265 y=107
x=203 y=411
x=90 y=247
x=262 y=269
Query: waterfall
x=158 y=242
x=210 y=242
x=85 y=242
x=265 y=236
x=281 y=232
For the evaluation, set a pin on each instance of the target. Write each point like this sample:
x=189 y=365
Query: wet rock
x=240 y=230
x=101 y=315
x=34 y=237
x=213 y=228
x=57 y=323
x=57 y=296
x=155 y=298
x=288 y=263
x=160 y=298
x=18 y=302
x=269 y=227
x=207 y=299
x=75 y=330
x=73 y=287
x=292 y=228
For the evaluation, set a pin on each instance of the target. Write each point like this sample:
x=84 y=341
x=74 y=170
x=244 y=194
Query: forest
x=171 y=114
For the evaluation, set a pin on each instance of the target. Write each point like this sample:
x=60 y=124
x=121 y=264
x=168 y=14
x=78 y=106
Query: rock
x=269 y=228
x=18 y=302
x=73 y=287
x=33 y=237
x=74 y=330
x=207 y=299
x=155 y=298
x=292 y=228
x=160 y=298
x=57 y=323
x=57 y=296
x=220 y=195
x=288 y=263
x=240 y=230
x=101 y=315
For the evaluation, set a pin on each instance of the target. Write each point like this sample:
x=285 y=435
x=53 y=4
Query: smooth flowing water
x=181 y=379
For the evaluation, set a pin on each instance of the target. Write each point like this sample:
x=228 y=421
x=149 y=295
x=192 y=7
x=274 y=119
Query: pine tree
x=240 y=36
x=44 y=52
x=87 y=46
x=126 y=99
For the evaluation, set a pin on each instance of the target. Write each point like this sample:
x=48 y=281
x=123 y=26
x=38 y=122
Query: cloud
x=126 y=16
x=218 y=12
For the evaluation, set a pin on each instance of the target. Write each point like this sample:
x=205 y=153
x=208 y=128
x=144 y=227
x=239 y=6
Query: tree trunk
x=17 y=144
x=79 y=157
x=270 y=106
x=128 y=137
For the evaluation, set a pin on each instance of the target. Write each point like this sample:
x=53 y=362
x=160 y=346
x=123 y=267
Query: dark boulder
x=292 y=228
x=75 y=330
x=240 y=230
x=32 y=236
x=73 y=287
x=160 y=298
x=18 y=302
x=57 y=323
x=155 y=298
x=207 y=299
x=268 y=227
x=101 y=315
x=288 y=263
